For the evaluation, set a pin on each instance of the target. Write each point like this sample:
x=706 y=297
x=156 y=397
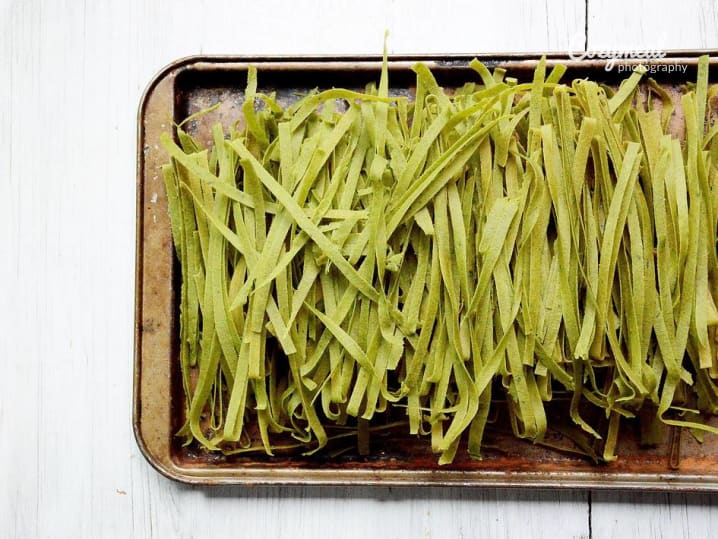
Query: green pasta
x=357 y=262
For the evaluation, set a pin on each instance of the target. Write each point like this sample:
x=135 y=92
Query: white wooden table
x=71 y=75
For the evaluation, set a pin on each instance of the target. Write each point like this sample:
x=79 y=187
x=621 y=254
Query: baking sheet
x=193 y=84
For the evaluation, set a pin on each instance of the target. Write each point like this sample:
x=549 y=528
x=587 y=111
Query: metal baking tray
x=192 y=84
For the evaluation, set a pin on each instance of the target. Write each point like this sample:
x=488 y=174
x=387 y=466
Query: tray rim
x=297 y=476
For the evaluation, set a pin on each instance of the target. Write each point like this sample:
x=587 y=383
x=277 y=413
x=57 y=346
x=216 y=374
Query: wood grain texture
x=72 y=75
x=659 y=515
x=651 y=25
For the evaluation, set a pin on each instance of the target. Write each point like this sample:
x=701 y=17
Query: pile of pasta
x=357 y=255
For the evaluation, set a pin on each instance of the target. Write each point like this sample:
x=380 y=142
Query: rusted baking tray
x=192 y=84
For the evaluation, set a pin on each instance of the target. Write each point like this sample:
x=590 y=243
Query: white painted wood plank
x=342 y=27
x=652 y=24
x=362 y=512
x=657 y=515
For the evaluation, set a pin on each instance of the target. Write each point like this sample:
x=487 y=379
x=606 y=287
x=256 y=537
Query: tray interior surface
x=394 y=458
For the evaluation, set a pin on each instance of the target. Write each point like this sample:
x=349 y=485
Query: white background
x=71 y=75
